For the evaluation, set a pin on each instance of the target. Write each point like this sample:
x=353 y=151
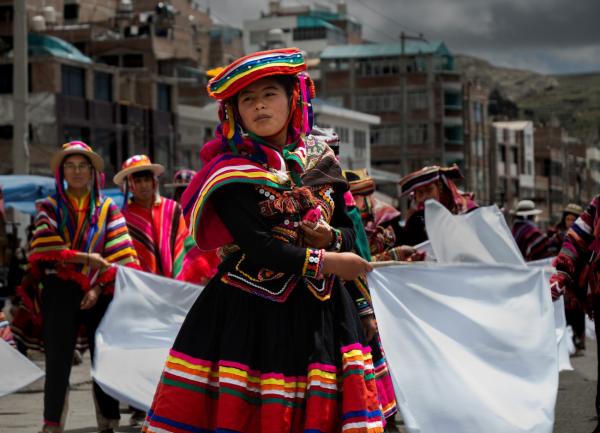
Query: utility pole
x=20 y=149
x=404 y=83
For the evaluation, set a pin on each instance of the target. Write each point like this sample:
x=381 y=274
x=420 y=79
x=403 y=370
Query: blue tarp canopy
x=22 y=191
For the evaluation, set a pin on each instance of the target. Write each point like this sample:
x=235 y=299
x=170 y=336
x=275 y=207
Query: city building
x=312 y=28
x=73 y=98
x=512 y=162
x=476 y=141
x=565 y=170
x=414 y=87
x=112 y=73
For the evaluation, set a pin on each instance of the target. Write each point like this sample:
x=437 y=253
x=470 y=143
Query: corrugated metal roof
x=53 y=46
x=384 y=50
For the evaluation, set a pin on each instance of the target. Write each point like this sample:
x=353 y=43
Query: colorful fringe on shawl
x=158 y=235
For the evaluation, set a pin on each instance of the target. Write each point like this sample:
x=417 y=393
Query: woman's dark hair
x=143 y=173
x=88 y=160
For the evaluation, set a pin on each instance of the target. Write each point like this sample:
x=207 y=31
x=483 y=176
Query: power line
x=384 y=16
x=380 y=31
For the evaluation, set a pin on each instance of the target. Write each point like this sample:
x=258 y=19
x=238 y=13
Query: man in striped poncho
x=156 y=225
x=532 y=242
x=578 y=271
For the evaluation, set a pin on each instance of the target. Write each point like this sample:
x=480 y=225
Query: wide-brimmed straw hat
x=525 y=208
x=573 y=209
x=135 y=164
x=76 y=148
x=182 y=178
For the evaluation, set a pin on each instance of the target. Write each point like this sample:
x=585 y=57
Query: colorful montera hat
x=76 y=148
x=181 y=178
x=137 y=163
x=253 y=67
x=360 y=182
x=428 y=175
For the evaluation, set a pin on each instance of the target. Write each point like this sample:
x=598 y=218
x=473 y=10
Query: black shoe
x=108 y=430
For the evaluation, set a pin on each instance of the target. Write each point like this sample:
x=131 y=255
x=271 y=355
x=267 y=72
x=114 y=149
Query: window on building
x=360 y=144
x=109 y=60
x=417 y=100
x=6 y=78
x=378 y=67
x=161 y=152
x=477 y=112
x=501 y=153
x=6 y=14
x=73 y=81
x=515 y=155
x=305 y=34
x=71 y=133
x=133 y=61
x=386 y=135
x=164 y=97
x=103 y=86
x=529 y=168
x=257 y=37
x=515 y=187
x=418 y=134
x=343 y=133
x=71 y=12
x=377 y=103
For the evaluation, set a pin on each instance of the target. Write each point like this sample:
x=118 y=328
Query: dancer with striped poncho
x=78 y=234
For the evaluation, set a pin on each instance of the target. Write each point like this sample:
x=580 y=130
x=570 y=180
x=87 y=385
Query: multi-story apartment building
x=112 y=73
x=512 y=162
x=310 y=28
x=415 y=89
x=566 y=171
x=71 y=97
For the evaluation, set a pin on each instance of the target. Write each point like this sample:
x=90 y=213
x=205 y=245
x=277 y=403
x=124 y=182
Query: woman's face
x=78 y=171
x=264 y=109
x=569 y=220
x=426 y=192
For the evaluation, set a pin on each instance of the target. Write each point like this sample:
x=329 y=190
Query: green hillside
x=575 y=101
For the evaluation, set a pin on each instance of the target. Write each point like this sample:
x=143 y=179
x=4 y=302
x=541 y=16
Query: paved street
x=22 y=412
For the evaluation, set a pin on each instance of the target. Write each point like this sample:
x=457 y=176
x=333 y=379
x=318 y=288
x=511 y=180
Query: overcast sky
x=549 y=36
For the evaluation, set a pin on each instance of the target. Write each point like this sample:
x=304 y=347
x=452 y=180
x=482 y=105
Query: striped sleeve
x=47 y=244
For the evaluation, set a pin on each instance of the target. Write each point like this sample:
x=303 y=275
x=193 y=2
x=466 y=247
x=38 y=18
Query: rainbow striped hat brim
x=248 y=69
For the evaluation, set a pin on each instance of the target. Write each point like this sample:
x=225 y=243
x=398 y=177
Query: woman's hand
x=96 y=261
x=347 y=266
x=317 y=235
x=90 y=298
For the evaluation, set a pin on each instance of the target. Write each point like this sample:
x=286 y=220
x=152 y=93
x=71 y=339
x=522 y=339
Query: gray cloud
x=544 y=35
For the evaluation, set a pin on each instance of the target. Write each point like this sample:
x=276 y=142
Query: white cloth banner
x=482 y=236
x=471 y=347
x=136 y=333
x=16 y=371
